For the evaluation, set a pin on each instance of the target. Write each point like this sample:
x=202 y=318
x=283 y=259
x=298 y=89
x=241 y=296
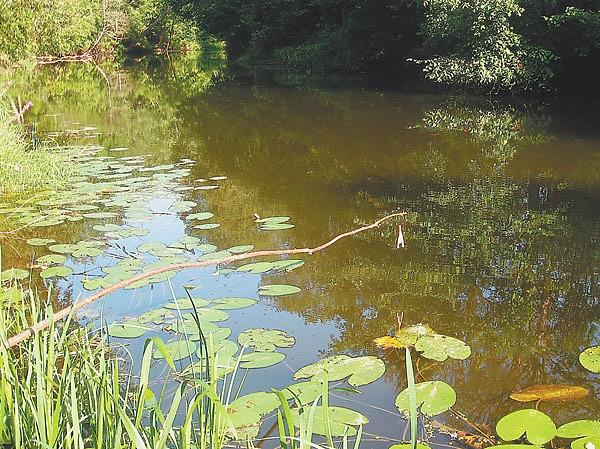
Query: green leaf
x=579 y=428
x=39 y=241
x=256 y=267
x=240 y=249
x=232 y=303
x=306 y=392
x=50 y=259
x=440 y=347
x=14 y=274
x=587 y=442
x=278 y=290
x=186 y=303
x=179 y=349
x=359 y=370
x=249 y=409
x=434 y=397
x=288 y=264
x=206 y=226
x=276 y=226
x=590 y=359
x=342 y=421
x=58 y=271
x=273 y=220
x=261 y=359
x=265 y=340
x=128 y=329
x=199 y=216
x=537 y=426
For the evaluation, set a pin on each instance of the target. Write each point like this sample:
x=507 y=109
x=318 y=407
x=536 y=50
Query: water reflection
x=501 y=237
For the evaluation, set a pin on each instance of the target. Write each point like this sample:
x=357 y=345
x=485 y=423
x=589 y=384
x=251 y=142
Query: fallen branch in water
x=24 y=335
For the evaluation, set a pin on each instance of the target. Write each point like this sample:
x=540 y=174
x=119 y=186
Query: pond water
x=501 y=237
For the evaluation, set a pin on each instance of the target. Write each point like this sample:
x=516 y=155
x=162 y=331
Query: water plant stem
x=61 y=314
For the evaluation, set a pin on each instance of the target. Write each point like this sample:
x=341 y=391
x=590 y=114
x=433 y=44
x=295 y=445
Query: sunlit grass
x=25 y=168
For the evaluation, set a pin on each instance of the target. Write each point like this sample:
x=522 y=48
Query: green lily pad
x=179 y=349
x=182 y=206
x=215 y=255
x=93 y=283
x=537 y=426
x=342 y=421
x=590 y=359
x=14 y=274
x=288 y=264
x=579 y=428
x=249 y=409
x=200 y=216
x=276 y=226
x=51 y=259
x=440 y=347
x=232 y=303
x=156 y=316
x=305 y=392
x=261 y=359
x=39 y=241
x=359 y=370
x=273 y=220
x=186 y=303
x=100 y=215
x=207 y=226
x=151 y=246
x=256 y=267
x=434 y=397
x=128 y=329
x=587 y=442
x=241 y=249
x=265 y=340
x=58 y=271
x=278 y=290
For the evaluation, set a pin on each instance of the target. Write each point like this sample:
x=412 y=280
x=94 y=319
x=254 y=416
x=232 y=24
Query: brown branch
x=24 y=335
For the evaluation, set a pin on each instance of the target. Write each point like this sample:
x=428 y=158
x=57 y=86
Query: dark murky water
x=501 y=241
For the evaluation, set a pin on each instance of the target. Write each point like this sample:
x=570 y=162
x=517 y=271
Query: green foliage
x=476 y=45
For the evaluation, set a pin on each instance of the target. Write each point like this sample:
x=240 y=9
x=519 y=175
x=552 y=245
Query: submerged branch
x=24 y=335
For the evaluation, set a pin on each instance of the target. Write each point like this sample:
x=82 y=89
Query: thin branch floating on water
x=61 y=314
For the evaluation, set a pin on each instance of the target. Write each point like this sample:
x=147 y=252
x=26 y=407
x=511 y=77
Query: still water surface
x=501 y=237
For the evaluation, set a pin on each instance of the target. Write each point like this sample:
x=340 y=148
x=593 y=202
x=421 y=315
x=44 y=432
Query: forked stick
x=24 y=335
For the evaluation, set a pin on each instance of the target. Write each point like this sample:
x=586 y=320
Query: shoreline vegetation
x=490 y=47
x=26 y=163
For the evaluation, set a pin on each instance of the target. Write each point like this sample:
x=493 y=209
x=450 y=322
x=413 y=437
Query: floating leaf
x=100 y=215
x=206 y=226
x=58 y=271
x=341 y=421
x=261 y=359
x=151 y=246
x=288 y=264
x=434 y=397
x=240 y=249
x=409 y=446
x=265 y=340
x=39 y=241
x=305 y=392
x=232 y=303
x=579 y=428
x=128 y=329
x=277 y=290
x=273 y=220
x=359 y=370
x=537 y=426
x=50 y=259
x=14 y=274
x=178 y=350
x=256 y=267
x=440 y=347
x=276 y=226
x=587 y=442
x=200 y=216
x=590 y=359
x=552 y=392
x=186 y=303
x=156 y=316
x=182 y=206
x=249 y=409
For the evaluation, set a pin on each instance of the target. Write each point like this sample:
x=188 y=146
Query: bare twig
x=24 y=335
